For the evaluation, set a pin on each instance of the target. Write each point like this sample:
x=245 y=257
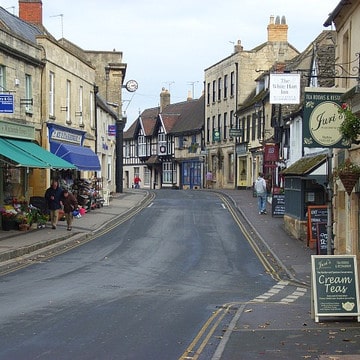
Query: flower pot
x=349 y=180
x=9 y=224
x=24 y=227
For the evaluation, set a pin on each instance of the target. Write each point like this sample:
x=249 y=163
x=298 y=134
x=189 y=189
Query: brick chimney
x=164 y=99
x=31 y=11
x=278 y=30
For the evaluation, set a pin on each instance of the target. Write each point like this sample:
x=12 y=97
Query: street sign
x=235 y=132
x=7 y=103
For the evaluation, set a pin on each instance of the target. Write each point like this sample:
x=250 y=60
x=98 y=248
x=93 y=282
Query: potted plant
x=349 y=173
x=350 y=127
x=8 y=219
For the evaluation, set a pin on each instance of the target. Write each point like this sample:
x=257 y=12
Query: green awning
x=53 y=161
x=20 y=157
x=28 y=154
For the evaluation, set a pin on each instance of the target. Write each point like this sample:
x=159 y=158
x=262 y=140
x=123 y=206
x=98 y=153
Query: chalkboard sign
x=335 y=285
x=278 y=205
x=316 y=214
x=322 y=238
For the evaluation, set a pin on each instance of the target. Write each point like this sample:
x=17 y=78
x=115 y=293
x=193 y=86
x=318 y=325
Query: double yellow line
x=195 y=349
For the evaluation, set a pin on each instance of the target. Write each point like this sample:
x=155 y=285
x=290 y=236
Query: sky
x=169 y=43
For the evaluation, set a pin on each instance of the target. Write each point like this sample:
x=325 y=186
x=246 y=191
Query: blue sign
x=111 y=130
x=7 y=103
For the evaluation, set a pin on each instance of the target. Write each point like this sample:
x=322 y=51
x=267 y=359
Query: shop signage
x=335 y=287
x=322 y=120
x=7 y=103
x=284 y=88
x=111 y=130
x=316 y=214
x=278 y=205
x=216 y=135
x=19 y=131
x=236 y=132
x=61 y=135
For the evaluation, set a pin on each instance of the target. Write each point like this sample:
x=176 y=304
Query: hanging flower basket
x=349 y=174
x=350 y=127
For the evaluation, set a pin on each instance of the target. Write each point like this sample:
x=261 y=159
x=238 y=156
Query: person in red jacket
x=70 y=204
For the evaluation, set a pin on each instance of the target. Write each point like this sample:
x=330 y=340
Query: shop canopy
x=28 y=154
x=52 y=161
x=82 y=157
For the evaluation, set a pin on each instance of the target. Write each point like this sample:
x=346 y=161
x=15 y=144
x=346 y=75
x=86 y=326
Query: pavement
x=18 y=248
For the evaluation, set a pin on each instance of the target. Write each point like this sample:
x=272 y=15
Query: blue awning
x=82 y=157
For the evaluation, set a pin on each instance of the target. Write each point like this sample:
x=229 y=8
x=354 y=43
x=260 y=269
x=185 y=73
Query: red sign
x=271 y=152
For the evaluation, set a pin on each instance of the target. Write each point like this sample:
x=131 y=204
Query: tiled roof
x=305 y=165
x=179 y=118
x=20 y=28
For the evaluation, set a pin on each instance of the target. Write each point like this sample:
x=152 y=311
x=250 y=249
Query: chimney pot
x=31 y=11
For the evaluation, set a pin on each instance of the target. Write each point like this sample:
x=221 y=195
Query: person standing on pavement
x=137 y=181
x=69 y=203
x=53 y=201
x=261 y=193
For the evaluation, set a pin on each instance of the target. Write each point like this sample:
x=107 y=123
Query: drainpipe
x=236 y=104
x=96 y=90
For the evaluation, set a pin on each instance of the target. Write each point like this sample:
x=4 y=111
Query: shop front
x=23 y=163
x=68 y=144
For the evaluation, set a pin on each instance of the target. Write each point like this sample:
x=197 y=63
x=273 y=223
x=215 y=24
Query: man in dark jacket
x=70 y=204
x=53 y=201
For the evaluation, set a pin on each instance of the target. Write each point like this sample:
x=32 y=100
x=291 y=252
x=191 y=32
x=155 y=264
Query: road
x=144 y=290
x=164 y=285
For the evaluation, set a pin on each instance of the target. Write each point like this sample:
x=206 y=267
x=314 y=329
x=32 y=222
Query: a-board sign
x=278 y=205
x=316 y=214
x=335 y=286
x=322 y=238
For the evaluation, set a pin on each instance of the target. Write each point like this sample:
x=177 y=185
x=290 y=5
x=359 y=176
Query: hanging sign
x=322 y=119
x=284 y=88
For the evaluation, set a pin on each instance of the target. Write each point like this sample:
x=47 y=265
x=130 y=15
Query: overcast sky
x=169 y=43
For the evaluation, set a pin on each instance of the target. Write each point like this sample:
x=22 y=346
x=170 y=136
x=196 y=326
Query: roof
x=20 y=28
x=305 y=165
x=180 y=118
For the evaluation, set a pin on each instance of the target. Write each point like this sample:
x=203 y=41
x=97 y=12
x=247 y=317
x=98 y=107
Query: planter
x=349 y=180
x=24 y=227
x=9 y=224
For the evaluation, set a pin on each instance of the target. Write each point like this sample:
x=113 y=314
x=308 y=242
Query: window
x=232 y=83
x=231 y=167
x=213 y=127
x=141 y=145
x=2 y=79
x=147 y=176
x=214 y=91
x=68 y=101
x=28 y=93
x=162 y=145
x=248 y=123
x=259 y=130
x=225 y=126
x=219 y=89
x=208 y=129
x=109 y=168
x=80 y=112
x=225 y=86
x=51 y=94
x=127 y=150
x=208 y=94
x=231 y=119
x=169 y=173
x=253 y=126
x=92 y=105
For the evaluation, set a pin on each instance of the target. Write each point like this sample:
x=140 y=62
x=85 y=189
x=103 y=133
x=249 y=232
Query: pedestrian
x=209 y=178
x=53 y=201
x=137 y=181
x=69 y=203
x=261 y=193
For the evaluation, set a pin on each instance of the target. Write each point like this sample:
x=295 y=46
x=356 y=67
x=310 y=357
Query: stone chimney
x=31 y=11
x=238 y=47
x=189 y=96
x=278 y=30
x=164 y=99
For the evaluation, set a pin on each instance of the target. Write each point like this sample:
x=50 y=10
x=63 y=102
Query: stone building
x=228 y=84
x=346 y=214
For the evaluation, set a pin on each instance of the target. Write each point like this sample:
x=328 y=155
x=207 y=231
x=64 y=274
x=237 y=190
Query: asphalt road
x=147 y=289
